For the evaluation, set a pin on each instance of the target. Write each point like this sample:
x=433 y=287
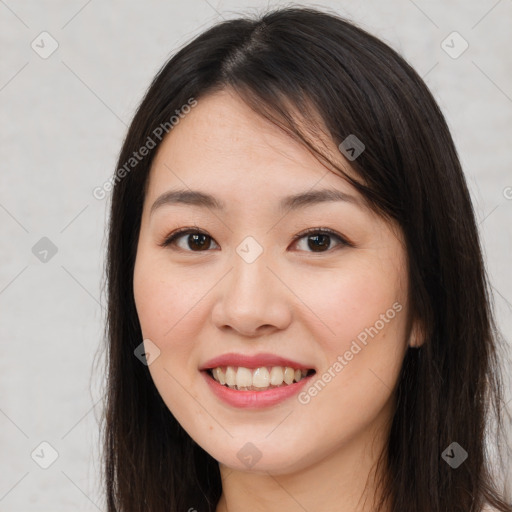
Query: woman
x=298 y=311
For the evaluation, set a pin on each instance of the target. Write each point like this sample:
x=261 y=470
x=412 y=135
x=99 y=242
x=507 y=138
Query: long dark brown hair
x=302 y=62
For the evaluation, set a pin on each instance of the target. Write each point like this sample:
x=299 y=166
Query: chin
x=260 y=457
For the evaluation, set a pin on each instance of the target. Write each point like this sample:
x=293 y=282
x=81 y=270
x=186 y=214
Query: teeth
x=289 y=375
x=246 y=379
x=276 y=376
x=243 y=378
x=260 y=378
x=218 y=375
x=230 y=376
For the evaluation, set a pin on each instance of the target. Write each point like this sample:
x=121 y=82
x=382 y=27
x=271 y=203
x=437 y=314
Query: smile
x=258 y=379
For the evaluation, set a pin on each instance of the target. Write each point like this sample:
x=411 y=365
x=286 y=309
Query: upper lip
x=255 y=361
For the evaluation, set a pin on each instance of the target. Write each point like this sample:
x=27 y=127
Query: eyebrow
x=292 y=202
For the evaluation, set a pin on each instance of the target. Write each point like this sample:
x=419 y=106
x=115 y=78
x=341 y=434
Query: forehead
x=224 y=147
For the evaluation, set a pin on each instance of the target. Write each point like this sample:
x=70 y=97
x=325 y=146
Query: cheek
x=167 y=307
x=165 y=300
x=362 y=339
x=361 y=335
x=349 y=301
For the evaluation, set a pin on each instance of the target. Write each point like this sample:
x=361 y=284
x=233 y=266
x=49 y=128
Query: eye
x=317 y=239
x=196 y=241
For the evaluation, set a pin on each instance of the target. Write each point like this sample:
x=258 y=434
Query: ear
x=417 y=334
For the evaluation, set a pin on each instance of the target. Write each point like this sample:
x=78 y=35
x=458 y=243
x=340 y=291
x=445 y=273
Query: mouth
x=263 y=378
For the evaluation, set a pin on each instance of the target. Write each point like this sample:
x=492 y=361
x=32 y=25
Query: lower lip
x=254 y=399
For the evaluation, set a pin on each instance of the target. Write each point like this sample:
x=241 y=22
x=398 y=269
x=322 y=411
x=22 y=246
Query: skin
x=291 y=301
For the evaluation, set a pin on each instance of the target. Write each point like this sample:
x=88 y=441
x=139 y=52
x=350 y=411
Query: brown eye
x=196 y=241
x=320 y=240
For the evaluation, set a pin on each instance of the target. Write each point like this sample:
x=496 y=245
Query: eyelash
x=173 y=237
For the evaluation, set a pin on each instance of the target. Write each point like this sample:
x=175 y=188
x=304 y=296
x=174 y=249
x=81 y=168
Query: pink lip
x=252 y=362
x=254 y=399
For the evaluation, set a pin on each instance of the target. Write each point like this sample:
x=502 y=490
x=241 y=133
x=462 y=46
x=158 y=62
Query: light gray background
x=63 y=122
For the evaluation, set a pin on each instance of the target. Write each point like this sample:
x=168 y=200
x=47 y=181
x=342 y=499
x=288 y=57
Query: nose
x=252 y=300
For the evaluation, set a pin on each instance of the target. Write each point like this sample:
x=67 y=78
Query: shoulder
x=488 y=508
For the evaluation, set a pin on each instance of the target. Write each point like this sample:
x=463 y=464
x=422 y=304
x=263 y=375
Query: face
x=310 y=285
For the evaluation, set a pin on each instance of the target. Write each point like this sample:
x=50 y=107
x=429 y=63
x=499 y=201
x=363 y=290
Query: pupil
x=323 y=241
x=196 y=238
